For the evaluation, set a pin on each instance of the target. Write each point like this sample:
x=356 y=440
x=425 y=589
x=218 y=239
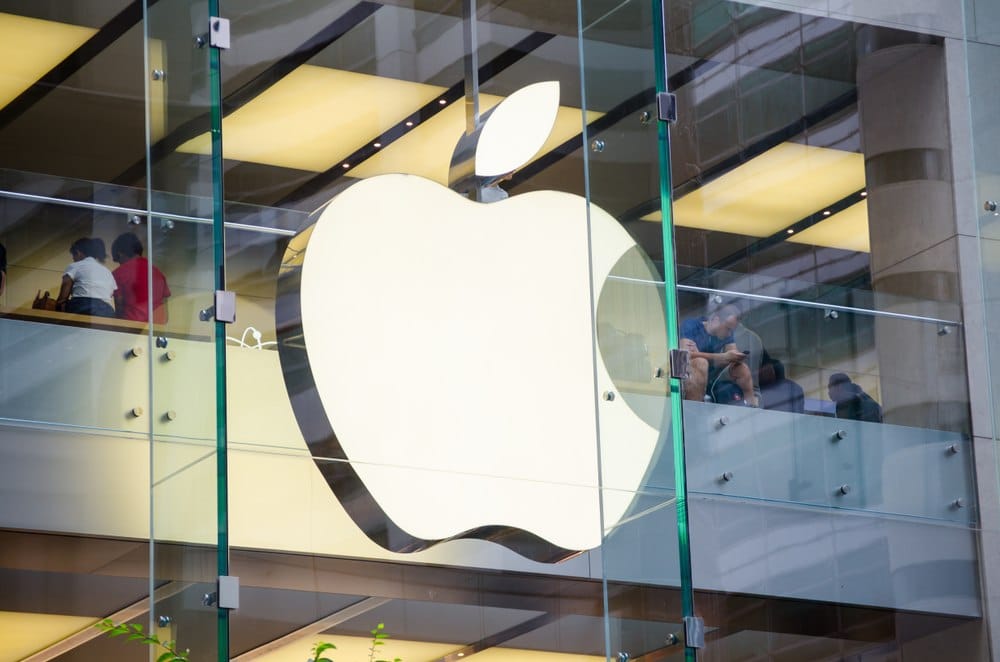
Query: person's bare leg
x=697 y=381
x=740 y=373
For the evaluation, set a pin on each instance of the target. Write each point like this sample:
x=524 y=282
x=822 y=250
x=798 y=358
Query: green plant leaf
x=167 y=657
x=318 y=650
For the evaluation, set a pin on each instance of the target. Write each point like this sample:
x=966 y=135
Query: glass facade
x=641 y=329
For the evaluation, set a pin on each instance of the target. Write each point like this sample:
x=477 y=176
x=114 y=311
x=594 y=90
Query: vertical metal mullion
x=670 y=296
x=470 y=34
x=219 y=264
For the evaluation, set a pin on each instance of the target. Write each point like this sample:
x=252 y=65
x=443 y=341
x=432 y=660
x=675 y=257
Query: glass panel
x=429 y=409
x=168 y=272
x=74 y=459
x=819 y=227
x=639 y=493
x=68 y=383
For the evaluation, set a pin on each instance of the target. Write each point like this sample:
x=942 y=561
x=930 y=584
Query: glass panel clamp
x=694 y=632
x=218 y=32
x=224 y=309
x=666 y=107
x=680 y=363
x=226 y=595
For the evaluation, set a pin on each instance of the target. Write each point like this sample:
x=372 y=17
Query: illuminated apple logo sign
x=438 y=353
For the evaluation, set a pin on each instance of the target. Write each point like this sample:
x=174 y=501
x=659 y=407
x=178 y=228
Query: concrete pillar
x=903 y=105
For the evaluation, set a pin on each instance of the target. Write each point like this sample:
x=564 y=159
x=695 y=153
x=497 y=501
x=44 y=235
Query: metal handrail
x=31 y=197
x=795 y=302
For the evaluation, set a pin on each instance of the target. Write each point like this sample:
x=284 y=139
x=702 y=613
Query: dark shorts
x=88 y=306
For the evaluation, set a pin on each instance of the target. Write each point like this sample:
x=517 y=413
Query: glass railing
x=895 y=366
x=830 y=463
x=82 y=395
x=96 y=378
x=860 y=409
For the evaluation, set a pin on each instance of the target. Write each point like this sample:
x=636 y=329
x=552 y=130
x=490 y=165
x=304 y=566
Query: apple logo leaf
x=517 y=129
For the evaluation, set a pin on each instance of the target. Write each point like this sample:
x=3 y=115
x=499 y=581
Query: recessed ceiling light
x=377 y=145
x=442 y=102
x=409 y=123
x=790 y=231
x=864 y=194
x=347 y=165
x=826 y=213
x=846 y=230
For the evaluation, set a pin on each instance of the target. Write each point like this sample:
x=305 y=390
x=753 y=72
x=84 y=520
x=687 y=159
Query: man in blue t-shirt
x=712 y=348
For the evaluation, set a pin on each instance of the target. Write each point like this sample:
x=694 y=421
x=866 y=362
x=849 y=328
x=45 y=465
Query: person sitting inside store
x=852 y=401
x=713 y=351
x=132 y=277
x=777 y=392
x=87 y=285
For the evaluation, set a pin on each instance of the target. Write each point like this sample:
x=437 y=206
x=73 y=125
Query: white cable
x=256 y=335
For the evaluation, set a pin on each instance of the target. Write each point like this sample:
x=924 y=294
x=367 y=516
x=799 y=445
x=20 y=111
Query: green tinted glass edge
x=670 y=307
x=219 y=253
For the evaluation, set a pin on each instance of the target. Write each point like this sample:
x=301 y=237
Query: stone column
x=904 y=118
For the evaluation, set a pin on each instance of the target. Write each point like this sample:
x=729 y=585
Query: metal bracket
x=229 y=592
x=680 y=363
x=218 y=32
x=666 y=107
x=224 y=309
x=694 y=632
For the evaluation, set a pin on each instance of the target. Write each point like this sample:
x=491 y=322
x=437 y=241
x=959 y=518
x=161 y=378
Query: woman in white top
x=87 y=285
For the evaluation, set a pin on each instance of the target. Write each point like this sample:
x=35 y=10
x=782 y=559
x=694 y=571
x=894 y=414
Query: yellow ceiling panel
x=357 y=648
x=772 y=191
x=25 y=633
x=314 y=117
x=30 y=47
x=847 y=230
x=427 y=149
x=520 y=655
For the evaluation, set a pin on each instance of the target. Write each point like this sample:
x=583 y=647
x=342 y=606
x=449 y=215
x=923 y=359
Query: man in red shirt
x=132 y=278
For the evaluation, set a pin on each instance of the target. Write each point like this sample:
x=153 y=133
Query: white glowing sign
x=450 y=344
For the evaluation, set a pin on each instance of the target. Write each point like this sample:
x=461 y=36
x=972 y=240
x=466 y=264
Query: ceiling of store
x=287 y=94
